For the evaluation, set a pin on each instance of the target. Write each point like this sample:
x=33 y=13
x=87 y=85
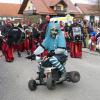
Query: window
x=29 y=8
x=65 y=8
x=58 y=8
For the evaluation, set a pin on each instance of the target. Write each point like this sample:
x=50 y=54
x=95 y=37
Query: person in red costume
x=43 y=26
x=27 y=41
x=7 y=47
x=20 y=47
x=76 y=31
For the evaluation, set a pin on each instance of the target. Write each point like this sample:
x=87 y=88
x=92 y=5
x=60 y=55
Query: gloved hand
x=51 y=53
x=32 y=57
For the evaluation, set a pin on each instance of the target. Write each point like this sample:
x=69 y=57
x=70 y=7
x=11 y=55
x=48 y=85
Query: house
x=91 y=12
x=50 y=7
x=9 y=11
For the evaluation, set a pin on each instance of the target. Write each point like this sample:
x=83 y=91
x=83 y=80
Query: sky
x=74 y=1
x=11 y=1
x=83 y=1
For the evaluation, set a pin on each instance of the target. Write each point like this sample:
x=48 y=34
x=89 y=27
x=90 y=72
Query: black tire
x=74 y=76
x=32 y=85
x=60 y=82
x=50 y=82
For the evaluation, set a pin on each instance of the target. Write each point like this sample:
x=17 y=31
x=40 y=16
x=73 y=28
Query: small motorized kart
x=49 y=76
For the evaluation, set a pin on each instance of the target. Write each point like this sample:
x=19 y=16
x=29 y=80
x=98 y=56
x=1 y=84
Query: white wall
x=96 y=18
x=11 y=18
x=84 y=1
x=87 y=17
x=12 y=1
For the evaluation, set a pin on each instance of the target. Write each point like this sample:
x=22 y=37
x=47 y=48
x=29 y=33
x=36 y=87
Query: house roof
x=43 y=6
x=40 y=5
x=88 y=9
x=72 y=9
x=8 y=9
x=51 y=2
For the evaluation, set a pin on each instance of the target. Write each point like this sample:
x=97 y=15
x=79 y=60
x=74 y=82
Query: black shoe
x=28 y=53
x=32 y=57
x=19 y=54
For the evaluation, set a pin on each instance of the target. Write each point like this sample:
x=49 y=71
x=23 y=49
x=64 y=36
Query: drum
x=77 y=34
x=16 y=35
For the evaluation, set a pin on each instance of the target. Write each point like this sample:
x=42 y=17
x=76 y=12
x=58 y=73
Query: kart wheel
x=50 y=82
x=74 y=76
x=32 y=85
x=59 y=82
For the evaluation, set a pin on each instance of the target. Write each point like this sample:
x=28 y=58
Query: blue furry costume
x=56 y=42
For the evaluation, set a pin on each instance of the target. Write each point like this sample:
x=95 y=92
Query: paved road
x=14 y=79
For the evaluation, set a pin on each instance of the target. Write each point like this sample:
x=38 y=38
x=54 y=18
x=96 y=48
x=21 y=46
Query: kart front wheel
x=32 y=85
x=50 y=82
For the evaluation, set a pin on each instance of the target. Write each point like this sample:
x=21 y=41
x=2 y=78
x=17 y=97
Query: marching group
x=27 y=36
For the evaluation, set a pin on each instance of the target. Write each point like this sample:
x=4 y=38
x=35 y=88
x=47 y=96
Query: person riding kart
x=55 y=43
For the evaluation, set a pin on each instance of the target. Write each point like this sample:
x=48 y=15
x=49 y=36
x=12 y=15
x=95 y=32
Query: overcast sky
x=11 y=1
x=19 y=1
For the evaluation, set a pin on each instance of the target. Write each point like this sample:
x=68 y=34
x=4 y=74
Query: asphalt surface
x=14 y=79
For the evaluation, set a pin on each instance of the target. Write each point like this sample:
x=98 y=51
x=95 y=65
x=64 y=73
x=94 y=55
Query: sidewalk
x=86 y=50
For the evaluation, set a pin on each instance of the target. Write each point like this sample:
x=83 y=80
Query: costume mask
x=53 y=32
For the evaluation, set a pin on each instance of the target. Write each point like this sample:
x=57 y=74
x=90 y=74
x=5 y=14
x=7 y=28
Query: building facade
x=50 y=7
x=9 y=11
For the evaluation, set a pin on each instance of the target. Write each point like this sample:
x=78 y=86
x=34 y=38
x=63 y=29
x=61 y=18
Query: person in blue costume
x=55 y=43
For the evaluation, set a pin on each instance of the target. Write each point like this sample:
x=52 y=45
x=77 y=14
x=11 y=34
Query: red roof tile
x=43 y=6
x=71 y=7
x=7 y=9
x=89 y=9
x=51 y=2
